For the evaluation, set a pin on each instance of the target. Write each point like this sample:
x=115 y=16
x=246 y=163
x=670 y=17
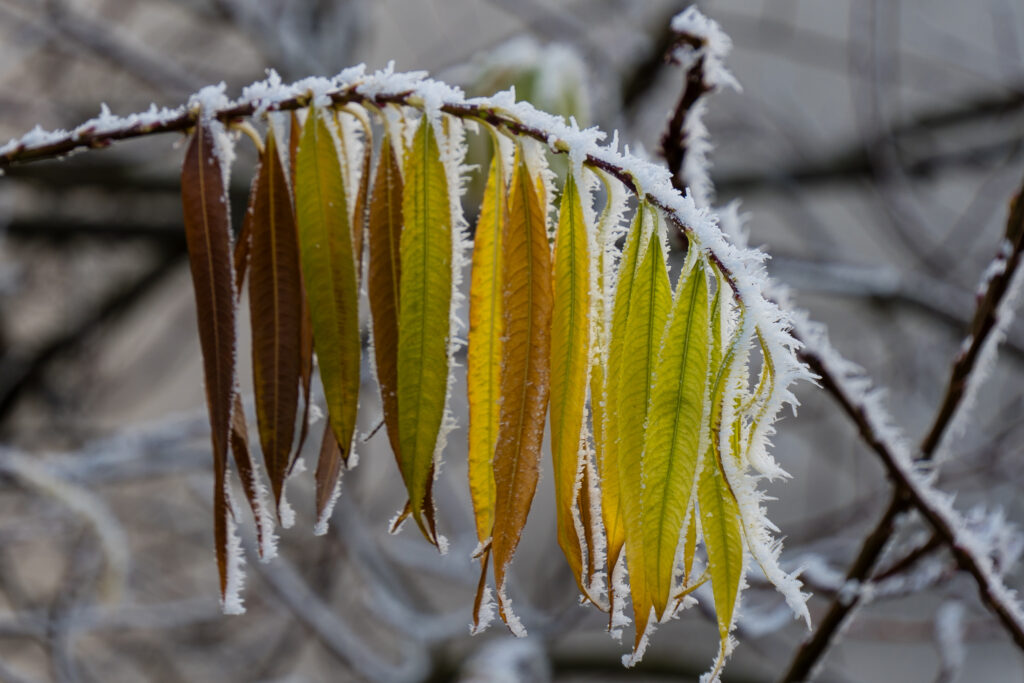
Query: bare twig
x=908 y=493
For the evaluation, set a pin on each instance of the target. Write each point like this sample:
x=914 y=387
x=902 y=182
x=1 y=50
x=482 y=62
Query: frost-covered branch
x=852 y=390
x=741 y=268
x=700 y=47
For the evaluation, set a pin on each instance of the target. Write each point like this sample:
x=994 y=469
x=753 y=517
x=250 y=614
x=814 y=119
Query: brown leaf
x=306 y=328
x=251 y=483
x=275 y=301
x=359 y=221
x=208 y=236
x=382 y=282
x=328 y=469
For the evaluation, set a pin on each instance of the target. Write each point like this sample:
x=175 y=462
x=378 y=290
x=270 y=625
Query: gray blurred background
x=875 y=147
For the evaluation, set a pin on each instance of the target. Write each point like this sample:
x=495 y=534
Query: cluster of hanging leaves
x=646 y=385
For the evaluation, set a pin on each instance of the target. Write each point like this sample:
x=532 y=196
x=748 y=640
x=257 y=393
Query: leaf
x=275 y=302
x=306 y=324
x=423 y=319
x=385 y=230
x=328 y=470
x=570 y=358
x=673 y=439
x=527 y=306
x=251 y=481
x=359 y=212
x=649 y=304
x=609 y=377
x=483 y=362
x=208 y=236
x=723 y=541
x=328 y=270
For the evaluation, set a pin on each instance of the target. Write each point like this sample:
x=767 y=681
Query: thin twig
x=907 y=493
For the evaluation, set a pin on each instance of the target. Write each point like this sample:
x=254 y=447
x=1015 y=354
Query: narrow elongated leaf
x=570 y=358
x=306 y=324
x=359 y=212
x=483 y=362
x=608 y=463
x=244 y=242
x=208 y=236
x=251 y=481
x=328 y=469
x=383 y=282
x=275 y=302
x=527 y=306
x=723 y=540
x=649 y=306
x=672 y=441
x=424 y=307
x=328 y=270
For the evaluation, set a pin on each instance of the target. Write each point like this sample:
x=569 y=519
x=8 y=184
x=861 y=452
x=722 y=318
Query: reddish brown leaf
x=306 y=328
x=382 y=282
x=328 y=470
x=275 y=300
x=208 y=236
x=251 y=483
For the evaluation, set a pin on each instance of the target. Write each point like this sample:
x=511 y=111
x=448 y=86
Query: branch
x=740 y=268
x=913 y=489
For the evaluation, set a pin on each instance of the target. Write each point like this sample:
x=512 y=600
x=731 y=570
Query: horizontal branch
x=741 y=269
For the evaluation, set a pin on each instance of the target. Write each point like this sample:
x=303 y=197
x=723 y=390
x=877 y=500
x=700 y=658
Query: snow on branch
x=864 y=405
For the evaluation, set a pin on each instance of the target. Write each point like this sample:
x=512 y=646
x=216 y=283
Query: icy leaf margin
x=742 y=269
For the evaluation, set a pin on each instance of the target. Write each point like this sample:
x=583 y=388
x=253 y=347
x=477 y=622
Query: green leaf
x=423 y=319
x=672 y=441
x=649 y=305
x=328 y=269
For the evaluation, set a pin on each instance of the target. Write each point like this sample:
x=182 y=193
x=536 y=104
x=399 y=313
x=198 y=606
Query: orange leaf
x=526 y=354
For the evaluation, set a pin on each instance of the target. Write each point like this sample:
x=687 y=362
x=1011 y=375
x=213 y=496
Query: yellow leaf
x=570 y=356
x=483 y=362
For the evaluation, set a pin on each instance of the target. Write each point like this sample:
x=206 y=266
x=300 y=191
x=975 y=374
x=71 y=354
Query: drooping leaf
x=359 y=212
x=527 y=309
x=208 y=236
x=252 y=484
x=723 y=541
x=673 y=437
x=483 y=362
x=243 y=243
x=607 y=381
x=383 y=282
x=570 y=358
x=328 y=270
x=306 y=323
x=649 y=305
x=275 y=302
x=328 y=470
x=483 y=359
x=424 y=307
